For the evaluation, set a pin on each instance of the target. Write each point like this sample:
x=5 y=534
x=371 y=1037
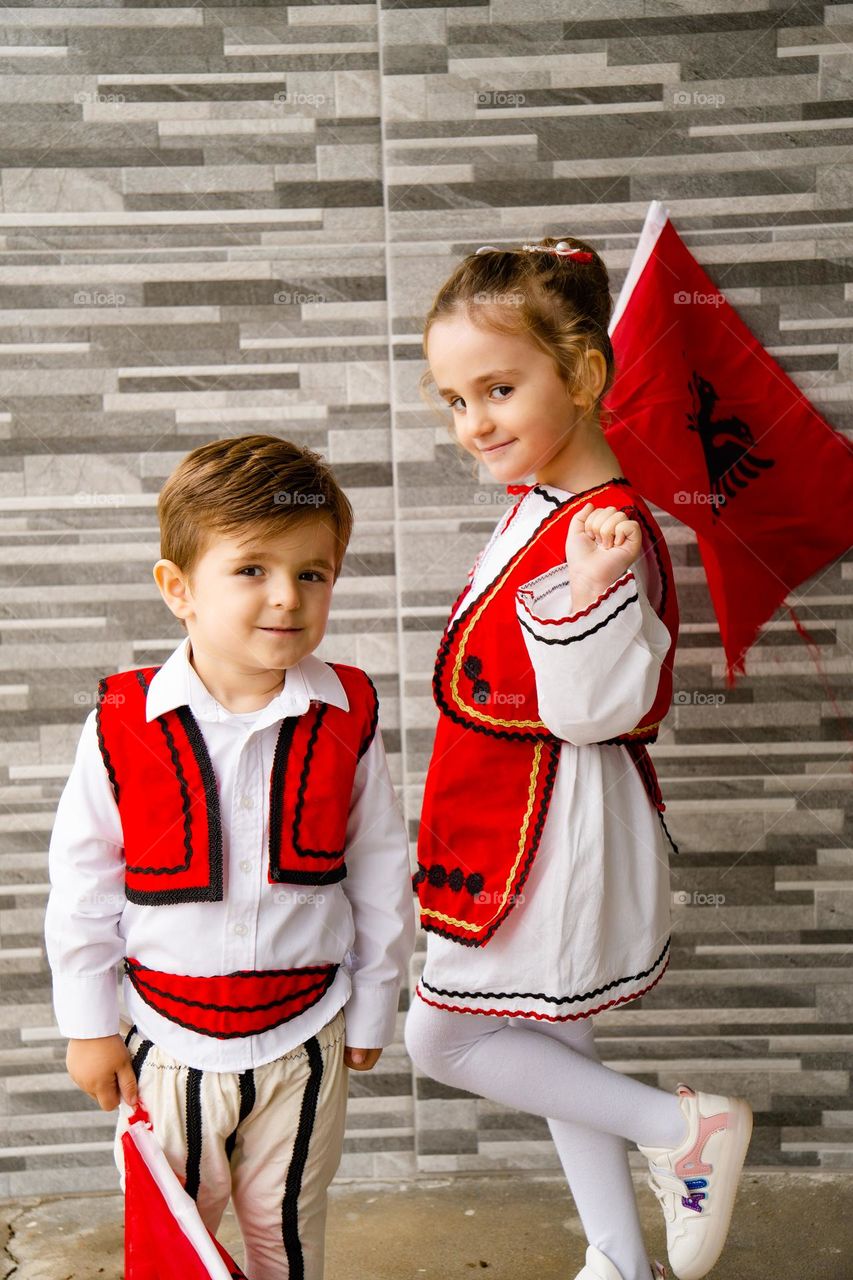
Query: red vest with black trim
x=494 y=761
x=166 y=792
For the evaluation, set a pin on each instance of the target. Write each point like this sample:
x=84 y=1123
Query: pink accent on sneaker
x=691 y=1165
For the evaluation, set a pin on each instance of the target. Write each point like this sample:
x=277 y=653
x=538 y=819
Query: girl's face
x=511 y=410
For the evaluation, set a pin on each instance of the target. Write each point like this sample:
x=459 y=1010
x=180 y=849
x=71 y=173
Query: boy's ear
x=173 y=586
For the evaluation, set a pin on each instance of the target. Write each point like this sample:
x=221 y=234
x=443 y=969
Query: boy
x=230 y=833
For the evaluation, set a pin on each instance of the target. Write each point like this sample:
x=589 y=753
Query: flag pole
x=656 y=218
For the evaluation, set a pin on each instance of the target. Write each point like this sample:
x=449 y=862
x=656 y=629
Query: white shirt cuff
x=371 y=1014
x=86 y=1005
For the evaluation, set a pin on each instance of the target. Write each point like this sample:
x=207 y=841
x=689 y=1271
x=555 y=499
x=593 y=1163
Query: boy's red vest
x=494 y=761
x=166 y=793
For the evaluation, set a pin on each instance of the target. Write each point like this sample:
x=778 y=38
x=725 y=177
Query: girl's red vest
x=493 y=765
x=166 y=792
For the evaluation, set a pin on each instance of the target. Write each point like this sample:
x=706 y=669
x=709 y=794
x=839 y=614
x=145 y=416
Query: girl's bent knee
x=416 y=1035
x=427 y=1041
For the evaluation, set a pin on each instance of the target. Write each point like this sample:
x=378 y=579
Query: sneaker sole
x=730 y=1172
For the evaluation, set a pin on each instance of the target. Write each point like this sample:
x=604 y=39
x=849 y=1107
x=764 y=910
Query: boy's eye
x=252 y=571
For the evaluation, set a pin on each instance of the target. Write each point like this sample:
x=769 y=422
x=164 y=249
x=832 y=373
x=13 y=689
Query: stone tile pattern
x=219 y=220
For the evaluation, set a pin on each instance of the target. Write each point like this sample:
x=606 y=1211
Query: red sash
x=166 y=793
x=491 y=775
x=232 y=1004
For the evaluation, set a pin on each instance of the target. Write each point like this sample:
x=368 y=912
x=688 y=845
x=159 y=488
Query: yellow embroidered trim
x=457 y=666
x=629 y=733
x=522 y=840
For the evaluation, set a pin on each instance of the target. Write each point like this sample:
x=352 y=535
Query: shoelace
x=665 y=1183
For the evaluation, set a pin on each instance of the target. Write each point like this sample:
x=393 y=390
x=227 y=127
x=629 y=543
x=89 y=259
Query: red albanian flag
x=164 y=1236
x=708 y=427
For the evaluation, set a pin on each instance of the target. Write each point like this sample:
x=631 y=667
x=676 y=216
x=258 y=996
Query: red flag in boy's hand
x=164 y=1236
x=707 y=426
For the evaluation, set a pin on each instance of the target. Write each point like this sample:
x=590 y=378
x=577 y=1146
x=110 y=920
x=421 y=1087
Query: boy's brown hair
x=258 y=483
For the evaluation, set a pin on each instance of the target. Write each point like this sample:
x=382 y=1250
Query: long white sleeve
x=378 y=885
x=597 y=669
x=86 y=866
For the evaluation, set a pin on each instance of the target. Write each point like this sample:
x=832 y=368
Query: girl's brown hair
x=560 y=303
x=257 y=483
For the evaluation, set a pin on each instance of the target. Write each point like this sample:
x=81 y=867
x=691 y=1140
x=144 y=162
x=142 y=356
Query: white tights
x=552 y=1069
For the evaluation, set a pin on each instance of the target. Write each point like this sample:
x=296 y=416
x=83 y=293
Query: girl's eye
x=248 y=571
x=313 y=573
x=495 y=388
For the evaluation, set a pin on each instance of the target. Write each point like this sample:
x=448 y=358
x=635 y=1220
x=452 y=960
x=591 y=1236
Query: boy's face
x=257 y=602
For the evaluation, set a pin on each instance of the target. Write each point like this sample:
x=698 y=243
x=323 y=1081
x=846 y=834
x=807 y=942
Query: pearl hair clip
x=562 y=249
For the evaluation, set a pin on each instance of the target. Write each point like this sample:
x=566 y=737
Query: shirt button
x=241 y=929
x=245 y=865
x=247 y=802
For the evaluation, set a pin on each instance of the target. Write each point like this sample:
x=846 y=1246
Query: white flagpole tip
x=657 y=216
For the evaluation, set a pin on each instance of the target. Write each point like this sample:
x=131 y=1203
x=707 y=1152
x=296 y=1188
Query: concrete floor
x=515 y=1226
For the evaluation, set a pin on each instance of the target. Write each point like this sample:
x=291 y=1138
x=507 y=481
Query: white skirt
x=591 y=928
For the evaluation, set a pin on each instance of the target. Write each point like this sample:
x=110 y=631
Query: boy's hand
x=102 y=1068
x=601 y=544
x=361 y=1059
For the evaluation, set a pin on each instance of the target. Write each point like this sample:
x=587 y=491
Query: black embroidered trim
x=277 y=775
x=517 y=735
x=212 y=891
x=279 y=767
x=105 y=755
x=539 y=995
x=131 y=1033
x=549 y=497
x=193 y=1178
x=277 y=779
x=302 y=788
x=229 y=1035
x=147 y=988
x=553 y=749
x=298 y=1160
x=374 y=715
x=332 y=876
x=621 y=740
x=247 y=1101
x=139 y=1057
x=571 y=639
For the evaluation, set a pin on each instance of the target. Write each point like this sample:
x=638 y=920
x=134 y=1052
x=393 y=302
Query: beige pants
x=269 y=1138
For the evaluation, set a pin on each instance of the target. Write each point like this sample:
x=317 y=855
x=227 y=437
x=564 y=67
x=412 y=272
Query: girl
x=543 y=873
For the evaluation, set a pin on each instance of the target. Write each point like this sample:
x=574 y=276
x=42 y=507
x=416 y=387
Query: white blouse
x=591 y=927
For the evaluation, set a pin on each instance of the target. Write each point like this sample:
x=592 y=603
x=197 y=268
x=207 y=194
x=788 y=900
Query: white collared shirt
x=365 y=922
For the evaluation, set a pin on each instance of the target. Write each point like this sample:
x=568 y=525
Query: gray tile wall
x=223 y=219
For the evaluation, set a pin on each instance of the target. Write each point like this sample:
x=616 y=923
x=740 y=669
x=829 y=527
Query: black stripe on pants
x=141 y=1054
x=247 y=1101
x=193 y=1179
x=293 y=1184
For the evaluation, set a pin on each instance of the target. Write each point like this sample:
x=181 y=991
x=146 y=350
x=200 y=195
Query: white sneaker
x=696 y=1182
x=599 y=1267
